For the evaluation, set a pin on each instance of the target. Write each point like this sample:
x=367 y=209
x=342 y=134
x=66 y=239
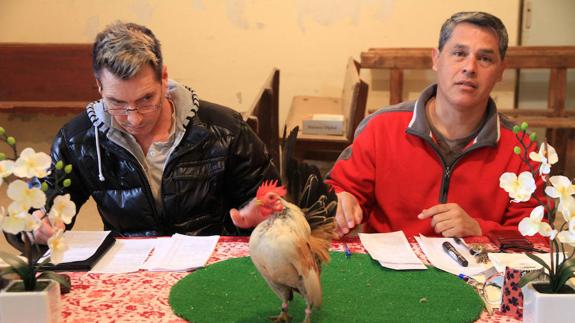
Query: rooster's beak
x=259 y=202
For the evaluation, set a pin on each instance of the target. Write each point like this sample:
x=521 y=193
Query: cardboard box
x=324 y=124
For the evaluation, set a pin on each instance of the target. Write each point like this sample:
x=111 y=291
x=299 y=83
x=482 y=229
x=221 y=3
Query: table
x=143 y=296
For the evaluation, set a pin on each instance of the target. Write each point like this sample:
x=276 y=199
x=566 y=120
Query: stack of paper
x=433 y=249
x=176 y=253
x=392 y=250
x=517 y=261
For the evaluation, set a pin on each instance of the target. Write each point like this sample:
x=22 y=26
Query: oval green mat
x=357 y=289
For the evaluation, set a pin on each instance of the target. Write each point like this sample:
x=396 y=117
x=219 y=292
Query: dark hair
x=481 y=19
x=124 y=48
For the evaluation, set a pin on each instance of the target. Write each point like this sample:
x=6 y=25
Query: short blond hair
x=124 y=48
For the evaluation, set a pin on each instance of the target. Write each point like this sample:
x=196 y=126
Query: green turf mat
x=357 y=289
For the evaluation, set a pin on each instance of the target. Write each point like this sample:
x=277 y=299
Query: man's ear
x=165 y=77
x=99 y=86
x=502 y=67
x=435 y=58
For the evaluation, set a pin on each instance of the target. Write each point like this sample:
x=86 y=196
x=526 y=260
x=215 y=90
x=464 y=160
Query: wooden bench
x=558 y=121
x=351 y=105
x=46 y=77
x=263 y=116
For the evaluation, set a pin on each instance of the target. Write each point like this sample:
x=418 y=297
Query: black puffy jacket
x=219 y=164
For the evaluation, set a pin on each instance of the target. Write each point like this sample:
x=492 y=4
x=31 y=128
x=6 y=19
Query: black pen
x=453 y=253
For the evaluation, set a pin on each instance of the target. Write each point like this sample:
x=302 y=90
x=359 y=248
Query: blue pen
x=346 y=250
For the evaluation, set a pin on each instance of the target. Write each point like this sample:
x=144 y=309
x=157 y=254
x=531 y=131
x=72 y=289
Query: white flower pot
x=540 y=307
x=34 y=307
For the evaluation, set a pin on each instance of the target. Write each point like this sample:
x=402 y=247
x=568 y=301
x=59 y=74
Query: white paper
x=81 y=245
x=433 y=249
x=517 y=261
x=392 y=250
x=181 y=253
x=125 y=256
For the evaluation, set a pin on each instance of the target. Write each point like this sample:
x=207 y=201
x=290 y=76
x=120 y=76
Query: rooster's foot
x=282 y=317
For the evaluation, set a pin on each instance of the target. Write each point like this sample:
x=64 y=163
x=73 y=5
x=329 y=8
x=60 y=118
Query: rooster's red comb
x=270 y=186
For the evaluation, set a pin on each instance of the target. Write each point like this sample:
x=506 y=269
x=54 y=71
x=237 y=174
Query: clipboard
x=83 y=265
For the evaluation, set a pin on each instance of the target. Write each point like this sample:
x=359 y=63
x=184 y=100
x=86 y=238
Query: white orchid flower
x=13 y=224
x=63 y=209
x=546 y=160
x=563 y=190
x=568 y=212
x=568 y=236
x=32 y=164
x=6 y=167
x=533 y=224
x=19 y=191
x=519 y=188
x=57 y=246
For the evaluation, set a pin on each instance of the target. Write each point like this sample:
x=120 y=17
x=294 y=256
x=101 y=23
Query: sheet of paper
x=81 y=244
x=517 y=261
x=433 y=249
x=392 y=250
x=181 y=253
x=125 y=256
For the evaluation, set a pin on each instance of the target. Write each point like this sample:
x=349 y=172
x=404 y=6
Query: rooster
x=291 y=240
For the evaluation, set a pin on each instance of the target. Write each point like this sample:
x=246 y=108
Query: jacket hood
x=186 y=103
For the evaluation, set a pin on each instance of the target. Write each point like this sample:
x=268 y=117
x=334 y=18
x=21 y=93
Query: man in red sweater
x=432 y=166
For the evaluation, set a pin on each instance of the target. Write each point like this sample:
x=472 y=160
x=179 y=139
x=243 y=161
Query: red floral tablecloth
x=143 y=296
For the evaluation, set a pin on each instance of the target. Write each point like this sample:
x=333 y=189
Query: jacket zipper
x=148 y=190
x=447 y=169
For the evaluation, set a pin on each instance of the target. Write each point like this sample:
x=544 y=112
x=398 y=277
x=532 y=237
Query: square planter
x=41 y=306
x=541 y=307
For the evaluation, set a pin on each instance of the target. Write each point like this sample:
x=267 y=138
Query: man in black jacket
x=155 y=158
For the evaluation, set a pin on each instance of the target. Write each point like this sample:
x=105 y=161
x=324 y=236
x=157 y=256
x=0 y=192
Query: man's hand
x=348 y=214
x=450 y=220
x=45 y=230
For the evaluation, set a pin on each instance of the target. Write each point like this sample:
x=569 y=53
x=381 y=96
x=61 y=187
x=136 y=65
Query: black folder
x=83 y=265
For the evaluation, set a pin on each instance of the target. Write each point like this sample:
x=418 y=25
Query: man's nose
x=470 y=67
x=134 y=117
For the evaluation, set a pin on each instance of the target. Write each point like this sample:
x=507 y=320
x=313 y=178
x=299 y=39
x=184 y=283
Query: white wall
x=225 y=49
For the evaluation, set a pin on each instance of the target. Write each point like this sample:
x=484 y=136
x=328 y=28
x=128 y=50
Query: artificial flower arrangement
x=560 y=201
x=27 y=191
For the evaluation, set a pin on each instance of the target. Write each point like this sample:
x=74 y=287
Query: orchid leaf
x=12 y=260
x=528 y=277
x=7 y=271
x=61 y=279
x=539 y=261
x=565 y=272
x=19 y=266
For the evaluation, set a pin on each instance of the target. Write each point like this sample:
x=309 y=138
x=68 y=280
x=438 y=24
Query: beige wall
x=225 y=49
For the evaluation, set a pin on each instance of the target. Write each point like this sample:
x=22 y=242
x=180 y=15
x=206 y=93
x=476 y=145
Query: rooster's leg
x=307 y=318
x=283 y=316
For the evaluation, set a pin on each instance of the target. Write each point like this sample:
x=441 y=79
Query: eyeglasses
x=122 y=109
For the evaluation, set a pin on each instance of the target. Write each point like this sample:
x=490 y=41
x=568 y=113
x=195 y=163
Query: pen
x=453 y=253
x=346 y=250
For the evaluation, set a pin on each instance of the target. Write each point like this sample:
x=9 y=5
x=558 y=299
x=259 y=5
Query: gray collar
x=488 y=135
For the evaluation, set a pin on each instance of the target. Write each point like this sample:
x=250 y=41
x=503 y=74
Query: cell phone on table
x=509 y=240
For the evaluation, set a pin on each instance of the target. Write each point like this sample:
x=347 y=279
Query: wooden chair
x=263 y=116
x=558 y=121
x=351 y=105
x=46 y=77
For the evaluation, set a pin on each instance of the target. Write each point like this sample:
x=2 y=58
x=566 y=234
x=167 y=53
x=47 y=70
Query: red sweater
x=395 y=171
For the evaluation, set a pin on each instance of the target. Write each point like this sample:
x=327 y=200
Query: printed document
x=392 y=250
x=176 y=253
